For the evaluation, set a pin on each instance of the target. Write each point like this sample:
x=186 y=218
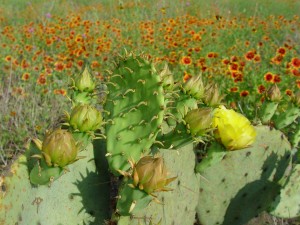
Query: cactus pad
x=80 y=196
x=244 y=182
x=178 y=206
x=287 y=204
x=135 y=103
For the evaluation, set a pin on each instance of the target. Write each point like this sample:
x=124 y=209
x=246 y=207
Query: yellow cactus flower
x=233 y=129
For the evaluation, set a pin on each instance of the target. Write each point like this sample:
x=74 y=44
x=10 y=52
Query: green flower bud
x=212 y=95
x=59 y=148
x=194 y=87
x=273 y=94
x=84 y=81
x=150 y=175
x=167 y=77
x=85 y=118
x=296 y=99
x=199 y=121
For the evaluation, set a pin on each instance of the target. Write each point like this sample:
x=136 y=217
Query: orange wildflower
x=268 y=77
x=80 y=63
x=41 y=80
x=186 y=60
x=244 y=93
x=261 y=89
x=8 y=58
x=234 y=89
x=25 y=76
x=295 y=62
x=277 y=59
x=60 y=92
x=225 y=61
x=186 y=76
x=296 y=72
x=95 y=64
x=281 y=51
x=289 y=92
x=276 y=79
x=298 y=83
x=250 y=55
x=257 y=58
x=234 y=67
x=59 y=66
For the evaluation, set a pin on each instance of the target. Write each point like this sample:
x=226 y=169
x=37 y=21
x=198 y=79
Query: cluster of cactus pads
x=148 y=168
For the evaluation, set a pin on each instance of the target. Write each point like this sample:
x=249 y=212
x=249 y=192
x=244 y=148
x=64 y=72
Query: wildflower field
x=244 y=47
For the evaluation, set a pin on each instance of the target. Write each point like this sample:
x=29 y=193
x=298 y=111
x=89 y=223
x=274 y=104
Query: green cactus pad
x=80 y=196
x=215 y=154
x=43 y=174
x=244 y=182
x=135 y=103
x=177 y=206
x=287 y=117
x=295 y=140
x=267 y=110
x=287 y=204
x=174 y=133
x=131 y=200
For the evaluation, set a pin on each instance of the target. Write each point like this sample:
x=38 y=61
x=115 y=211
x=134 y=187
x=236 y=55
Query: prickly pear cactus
x=244 y=182
x=80 y=196
x=135 y=103
x=177 y=206
x=286 y=205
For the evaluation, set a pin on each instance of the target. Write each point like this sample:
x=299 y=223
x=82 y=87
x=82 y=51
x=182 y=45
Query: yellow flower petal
x=233 y=130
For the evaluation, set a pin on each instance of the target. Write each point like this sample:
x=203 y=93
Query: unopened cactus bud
x=233 y=130
x=273 y=94
x=59 y=148
x=150 y=175
x=199 y=121
x=296 y=99
x=194 y=87
x=85 y=118
x=167 y=77
x=84 y=81
x=212 y=95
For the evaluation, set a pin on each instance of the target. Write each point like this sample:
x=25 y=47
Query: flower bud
x=212 y=95
x=233 y=130
x=194 y=87
x=273 y=93
x=199 y=121
x=84 y=81
x=150 y=175
x=85 y=118
x=296 y=99
x=59 y=148
x=167 y=77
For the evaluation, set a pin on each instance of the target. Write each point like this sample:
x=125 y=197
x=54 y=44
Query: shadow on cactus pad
x=256 y=196
x=245 y=182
